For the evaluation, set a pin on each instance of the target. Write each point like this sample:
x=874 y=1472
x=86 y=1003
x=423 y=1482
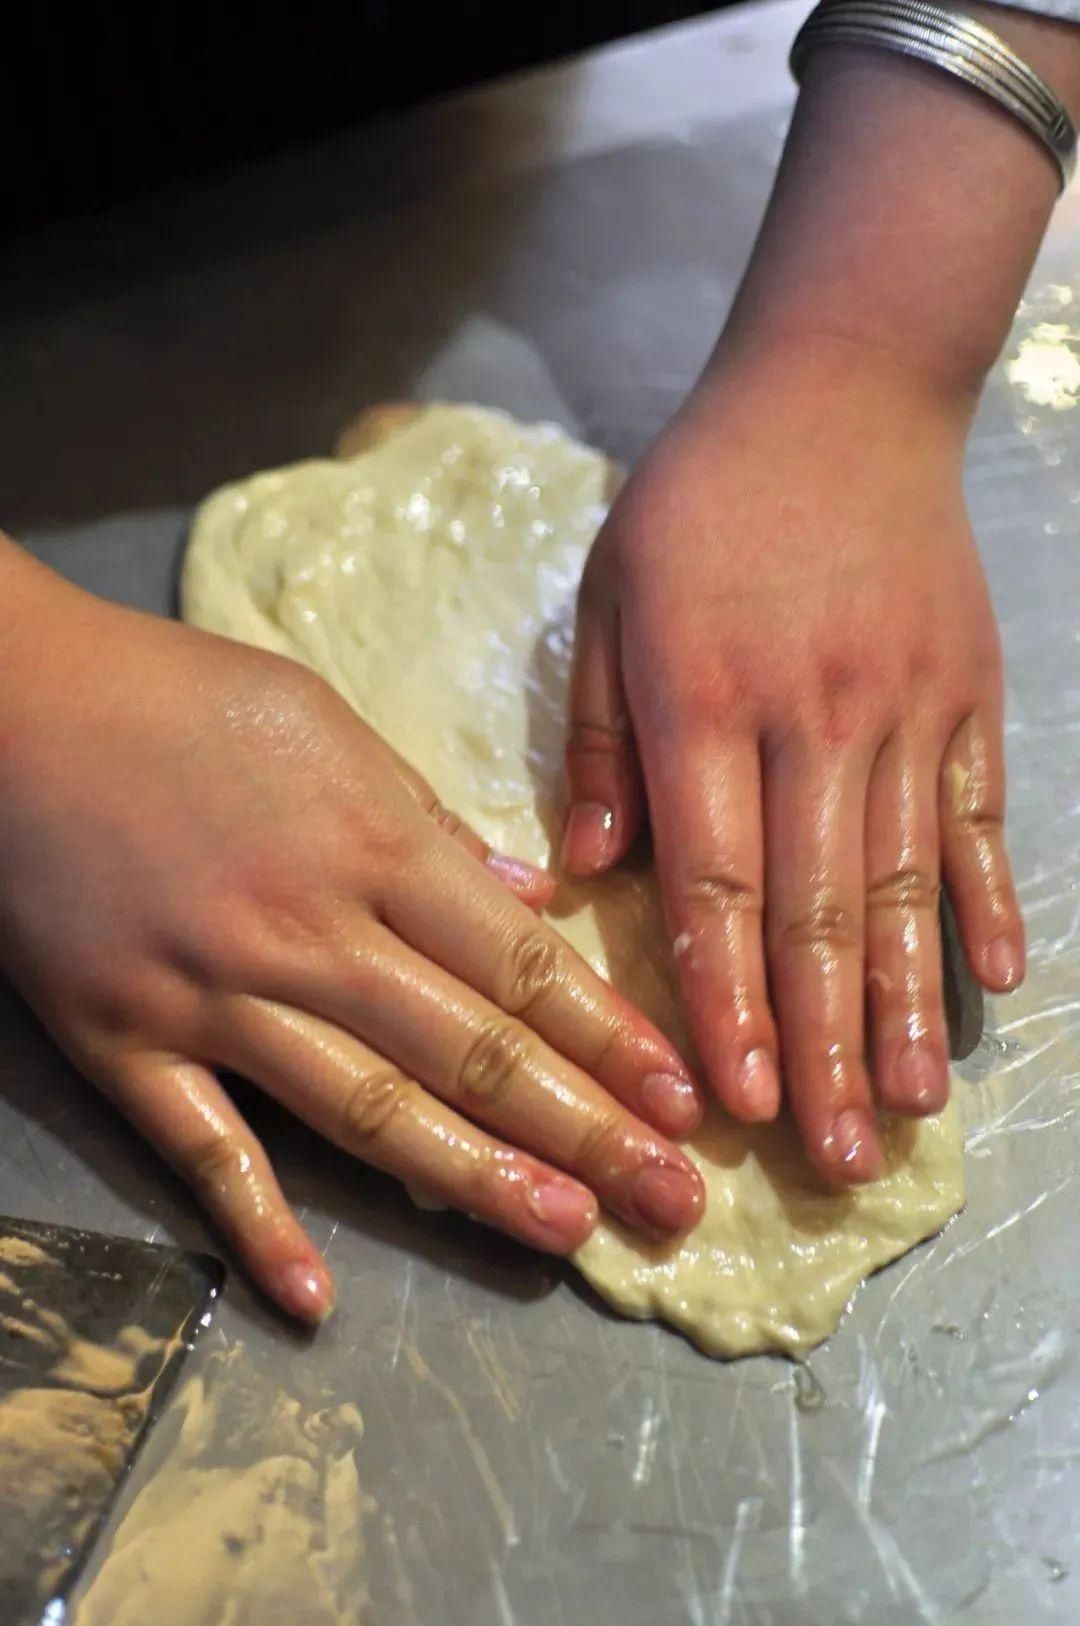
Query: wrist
x=853 y=370
x=826 y=386
x=905 y=219
x=42 y=625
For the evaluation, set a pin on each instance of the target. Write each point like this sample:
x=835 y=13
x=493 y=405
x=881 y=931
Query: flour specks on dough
x=431 y=579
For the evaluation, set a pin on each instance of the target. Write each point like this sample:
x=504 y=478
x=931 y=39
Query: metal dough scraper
x=93 y=1333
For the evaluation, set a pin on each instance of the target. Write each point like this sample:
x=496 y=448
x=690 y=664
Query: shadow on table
x=238 y=321
x=68 y=1157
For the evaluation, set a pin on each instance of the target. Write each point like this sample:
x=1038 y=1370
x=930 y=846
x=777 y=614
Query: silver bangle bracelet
x=958 y=45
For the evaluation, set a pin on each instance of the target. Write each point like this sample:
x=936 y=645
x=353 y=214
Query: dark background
x=100 y=103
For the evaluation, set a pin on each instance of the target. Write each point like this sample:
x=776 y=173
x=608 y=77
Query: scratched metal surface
x=530 y=1458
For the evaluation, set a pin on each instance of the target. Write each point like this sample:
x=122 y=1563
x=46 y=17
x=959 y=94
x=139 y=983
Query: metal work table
x=566 y=244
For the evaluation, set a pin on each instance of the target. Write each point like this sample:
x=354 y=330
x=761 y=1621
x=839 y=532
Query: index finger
x=706 y=802
x=457 y=915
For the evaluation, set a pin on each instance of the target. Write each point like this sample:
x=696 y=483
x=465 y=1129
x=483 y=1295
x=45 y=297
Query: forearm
x=46 y=623
x=906 y=214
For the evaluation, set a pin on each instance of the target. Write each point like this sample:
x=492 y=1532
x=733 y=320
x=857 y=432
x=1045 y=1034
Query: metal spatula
x=93 y=1332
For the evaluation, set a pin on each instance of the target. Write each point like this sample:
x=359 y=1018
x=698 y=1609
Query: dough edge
x=613 y=1263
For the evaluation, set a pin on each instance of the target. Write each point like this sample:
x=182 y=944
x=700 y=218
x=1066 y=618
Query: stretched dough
x=431 y=579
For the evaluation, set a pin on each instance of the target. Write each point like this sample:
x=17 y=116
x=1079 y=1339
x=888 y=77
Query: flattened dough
x=431 y=579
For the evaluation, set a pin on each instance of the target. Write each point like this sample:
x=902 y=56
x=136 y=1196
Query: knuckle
x=214 y=1163
x=110 y=1005
x=846 y=695
x=371 y=1105
x=534 y=967
x=446 y=820
x=391 y=837
x=308 y=692
x=499 y=1052
x=827 y=924
x=906 y=888
x=719 y=891
x=606 y=1052
x=232 y=940
x=300 y=701
x=592 y=739
x=981 y=822
x=602 y=1150
x=692 y=706
x=986 y=663
x=924 y=665
x=840 y=675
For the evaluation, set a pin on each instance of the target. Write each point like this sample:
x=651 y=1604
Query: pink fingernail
x=589 y=838
x=1004 y=964
x=306 y=1291
x=517 y=874
x=566 y=1208
x=666 y=1198
x=671 y=1103
x=920 y=1078
x=852 y=1147
x=759 y=1087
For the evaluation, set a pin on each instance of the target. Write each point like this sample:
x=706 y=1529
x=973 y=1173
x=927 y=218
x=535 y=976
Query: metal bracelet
x=958 y=45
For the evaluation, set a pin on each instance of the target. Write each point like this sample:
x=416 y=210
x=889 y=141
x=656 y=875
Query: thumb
x=532 y=885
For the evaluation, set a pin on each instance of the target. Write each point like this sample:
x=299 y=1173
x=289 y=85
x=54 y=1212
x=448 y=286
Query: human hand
x=784 y=631
x=207 y=861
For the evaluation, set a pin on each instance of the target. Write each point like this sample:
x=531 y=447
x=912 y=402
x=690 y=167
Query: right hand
x=208 y=862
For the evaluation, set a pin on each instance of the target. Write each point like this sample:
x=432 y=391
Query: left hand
x=785 y=641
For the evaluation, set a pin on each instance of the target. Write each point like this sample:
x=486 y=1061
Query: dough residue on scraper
x=254 y=1516
x=71 y=1410
x=431 y=579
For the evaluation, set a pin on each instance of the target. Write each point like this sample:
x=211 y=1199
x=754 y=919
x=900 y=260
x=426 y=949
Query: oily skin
x=786 y=653
x=797 y=822
x=206 y=861
x=209 y=862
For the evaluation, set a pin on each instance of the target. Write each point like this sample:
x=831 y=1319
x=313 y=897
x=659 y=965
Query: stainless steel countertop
x=568 y=243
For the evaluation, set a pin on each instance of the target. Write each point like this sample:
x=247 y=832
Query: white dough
x=432 y=581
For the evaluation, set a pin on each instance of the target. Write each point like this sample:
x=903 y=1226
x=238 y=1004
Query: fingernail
x=852 y=1146
x=517 y=874
x=759 y=1087
x=589 y=838
x=1003 y=963
x=671 y=1103
x=566 y=1208
x=920 y=1078
x=666 y=1198
x=306 y=1292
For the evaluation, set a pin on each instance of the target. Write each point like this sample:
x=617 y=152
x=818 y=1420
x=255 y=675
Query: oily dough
x=430 y=576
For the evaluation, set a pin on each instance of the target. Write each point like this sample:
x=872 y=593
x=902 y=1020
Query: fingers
x=455 y=916
x=184 y=1112
x=815 y=805
x=496 y=1071
x=976 y=864
x=603 y=780
x=709 y=856
x=903 y=940
x=361 y=1102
